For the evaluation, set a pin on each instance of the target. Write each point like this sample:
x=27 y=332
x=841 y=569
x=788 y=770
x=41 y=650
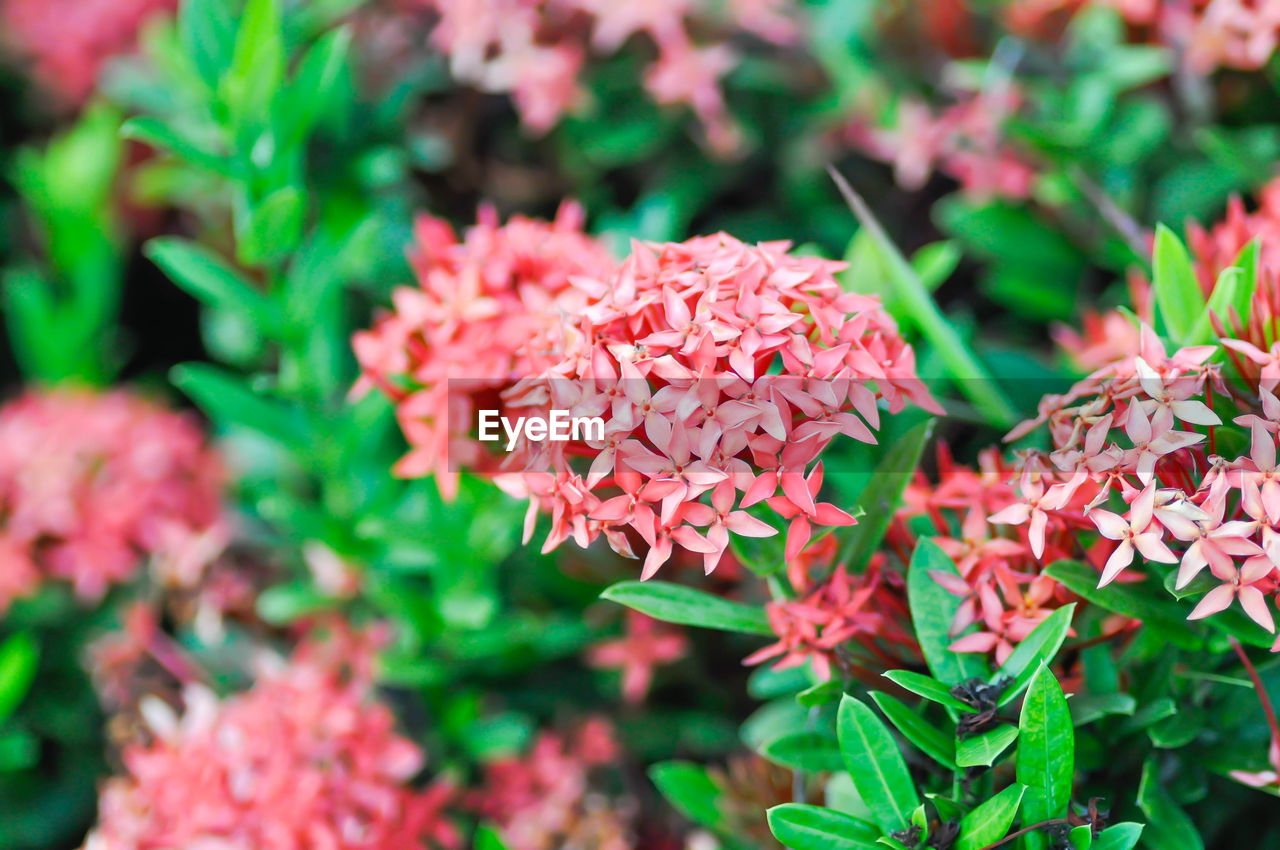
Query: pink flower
x=305 y=758
x=647 y=645
x=548 y=798
x=68 y=41
x=92 y=486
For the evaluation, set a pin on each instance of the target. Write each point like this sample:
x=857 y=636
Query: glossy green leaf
x=983 y=749
x=688 y=607
x=1035 y=649
x=1045 y=760
x=929 y=739
x=1121 y=836
x=1177 y=293
x=810 y=751
x=19 y=657
x=875 y=764
x=990 y=822
x=1151 y=605
x=932 y=610
x=927 y=687
x=689 y=788
x=805 y=827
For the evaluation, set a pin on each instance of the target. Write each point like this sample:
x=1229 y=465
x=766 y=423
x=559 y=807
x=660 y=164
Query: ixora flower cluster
x=1137 y=434
x=92 y=485
x=306 y=758
x=674 y=352
x=536 y=50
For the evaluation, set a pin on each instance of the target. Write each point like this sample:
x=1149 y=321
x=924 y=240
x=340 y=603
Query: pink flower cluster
x=977 y=518
x=674 y=353
x=535 y=50
x=868 y=610
x=477 y=321
x=66 y=42
x=307 y=758
x=647 y=644
x=92 y=485
x=546 y=799
x=965 y=141
x=1130 y=434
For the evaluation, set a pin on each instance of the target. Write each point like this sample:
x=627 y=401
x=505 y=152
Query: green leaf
x=820 y=694
x=272 y=227
x=313 y=85
x=1121 y=836
x=257 y=64
x=229 y=402
x=1168 y=826
x=689 y=788
x=961 y=364
x=19 y=657
x=1046 y=752
x=688 y=607
x=1131 y=600
x=804 y=827
x=804 y=751
x=929 y=739
x=990 y=822
x=932 y=610
x=1086 y=708
x=880 y=498
x=211 y=280
x=983 y=749
x=1177 y=293
x=927 y=687
x=1081 y=837
x=163 y=136
x=285 y=603
x=875 y=764
x=206 y=30
x=936 y=262
x=1035 y=649
x=488 y=838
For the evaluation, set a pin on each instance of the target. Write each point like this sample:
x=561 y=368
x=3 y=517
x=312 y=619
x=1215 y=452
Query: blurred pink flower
x=547 y=799
x=648 y=644
x=306 y=758
x=66 y=42
x=93 y=485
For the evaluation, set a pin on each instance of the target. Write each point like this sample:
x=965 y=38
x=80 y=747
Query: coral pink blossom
x=648 y=644
x=674 y=353
x=305 y=758
x=94 y=485
x=66 y=42
x=474 y=324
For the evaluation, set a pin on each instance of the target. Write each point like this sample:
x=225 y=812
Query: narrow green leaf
x=162 y=136
x=1035 y=649
x=19 y=657
x=990 y=822
x=689 y=788
x=932 y=610
x=211 y=280
x=875 y=764
x=1046 y=752
x=970 y=375
x=810 y=751
x=1121 y=836
x=313 y=85
x=927 y=687
x=929 y=739
x=1177 y=293
x=820 y=694
x=1086 y=708
x=229 y=402
x=688 y=607
x=804 y=827
x=1168 y=826
x=880 y=498
x=1081 y=837
x=257 y=63
x=983 y=749
x=207 y=32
